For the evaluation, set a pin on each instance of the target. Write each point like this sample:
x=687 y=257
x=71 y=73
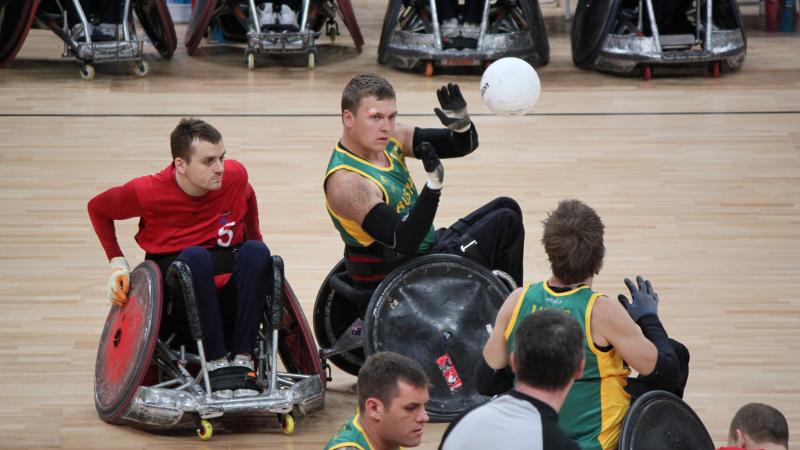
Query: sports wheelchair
x=411 y=37
x=633 y=36
x=239 y=21
x=143 y=377
x=437 y=309
x=658 y=420
x=17 y=17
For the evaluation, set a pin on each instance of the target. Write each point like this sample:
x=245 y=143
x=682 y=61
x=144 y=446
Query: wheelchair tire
x=157 y=23
x=536 y=28
x=389 y=23
x=296 y=344
x=660 y=419
x=16 y=18
x=333 y=314
x=127 y=344
x=438 y=310
x=349 y=18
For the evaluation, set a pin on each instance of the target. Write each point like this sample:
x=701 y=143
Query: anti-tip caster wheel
x=251 y=61
x=287 y=423
x=87 y=72
x=142 y=69
x=204 y=430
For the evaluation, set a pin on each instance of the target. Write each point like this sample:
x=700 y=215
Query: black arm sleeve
x=403 y=233
x=667 y=373
x=448 y=144
x=490 y=382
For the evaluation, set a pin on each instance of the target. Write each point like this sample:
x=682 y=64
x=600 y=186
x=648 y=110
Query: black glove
x=433 y=167
x=453 y=113
x=645 y=300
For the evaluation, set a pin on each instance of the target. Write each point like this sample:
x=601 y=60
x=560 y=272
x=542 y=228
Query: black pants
x=232 y=316
x=448 y=9
x=492 y=235
x=641 y=385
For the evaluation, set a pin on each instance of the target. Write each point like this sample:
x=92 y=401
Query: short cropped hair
x=363 y=86
x=380 y=374
x=186 y=132
x=548 y=348
x=762 y=423
x=573 y=241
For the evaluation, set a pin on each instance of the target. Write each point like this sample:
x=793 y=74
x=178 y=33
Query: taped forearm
x=490 y=382
x=667 y=373
x=448 y=144
x=404 y=234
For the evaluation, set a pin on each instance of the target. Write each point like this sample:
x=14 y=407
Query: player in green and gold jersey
x=617 y=334
x=392 y=393
x=374 y=203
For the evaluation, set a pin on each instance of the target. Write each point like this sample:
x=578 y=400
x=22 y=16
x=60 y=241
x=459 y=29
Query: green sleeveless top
x=596 y=404
x=394 y=181
x=350 y=435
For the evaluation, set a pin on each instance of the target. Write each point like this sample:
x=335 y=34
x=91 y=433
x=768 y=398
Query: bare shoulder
x=509 y=305
x=610 y=320
x=351 y=195
x=405 y=135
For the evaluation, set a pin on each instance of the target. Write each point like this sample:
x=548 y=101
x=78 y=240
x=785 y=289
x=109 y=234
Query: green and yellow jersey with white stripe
x=395 y=183
x=596 y=404
x=351 y=435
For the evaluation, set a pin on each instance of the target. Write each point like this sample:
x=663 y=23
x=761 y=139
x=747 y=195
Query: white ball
x=510 y=87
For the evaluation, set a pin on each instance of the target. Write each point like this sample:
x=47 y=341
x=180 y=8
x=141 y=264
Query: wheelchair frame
x=407 y=47
x=179 y=393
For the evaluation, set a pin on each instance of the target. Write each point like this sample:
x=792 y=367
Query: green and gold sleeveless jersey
x=350 y=435
x=596 y=404
x=394 y=181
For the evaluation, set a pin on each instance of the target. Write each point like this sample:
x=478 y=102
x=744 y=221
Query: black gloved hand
x=644 y=299
x=453 y=113
x=433 y=166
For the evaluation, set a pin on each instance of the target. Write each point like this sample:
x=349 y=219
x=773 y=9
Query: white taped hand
x=119 y=281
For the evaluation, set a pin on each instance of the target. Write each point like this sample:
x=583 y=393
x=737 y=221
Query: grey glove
x=433 y=166
x=644 y=300
x=453 y=113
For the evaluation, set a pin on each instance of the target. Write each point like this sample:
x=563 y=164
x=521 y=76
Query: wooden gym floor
x=697 y=180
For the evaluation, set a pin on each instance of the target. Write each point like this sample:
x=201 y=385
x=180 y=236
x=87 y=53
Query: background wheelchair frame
x=411 y=39
x=16 y=18
x=142 y=379
x=239 y=24
x=351 y=323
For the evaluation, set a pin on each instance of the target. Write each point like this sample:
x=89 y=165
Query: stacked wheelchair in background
x=633 y=36
x=253 y=24
x=155 y=376
x=411 y=36
x=18 y=16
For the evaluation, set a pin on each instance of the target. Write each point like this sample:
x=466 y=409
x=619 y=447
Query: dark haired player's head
x=573 y=241
x=392 y=394
x=548 y=350
x=185 y=134
x=363 y=86
x=757 y=425
x=382 y=372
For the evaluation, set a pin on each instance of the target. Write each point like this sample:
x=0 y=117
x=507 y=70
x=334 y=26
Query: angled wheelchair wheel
x=536 y=29
x=389 y=24
x=659 y=419
x=438 y=310
x=157 y=23
x=349 y=18
x=334 y=316
x=202 y=12
x=16 y=18
x=296 y=344
x=127 y=344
